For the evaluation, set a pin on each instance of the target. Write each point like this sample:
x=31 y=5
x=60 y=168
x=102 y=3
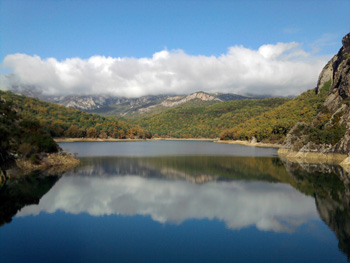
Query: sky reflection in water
x=276 y=207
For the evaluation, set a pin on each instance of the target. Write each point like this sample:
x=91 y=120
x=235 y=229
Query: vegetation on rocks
x=328 y=131
x=26 y=145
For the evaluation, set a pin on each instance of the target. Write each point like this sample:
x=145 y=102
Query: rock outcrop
x=329 y=132
x=178 y=100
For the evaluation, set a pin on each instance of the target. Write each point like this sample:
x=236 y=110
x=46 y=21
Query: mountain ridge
x=109 y=105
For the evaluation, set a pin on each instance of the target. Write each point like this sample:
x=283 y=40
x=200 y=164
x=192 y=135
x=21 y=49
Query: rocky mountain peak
x=171 y=102
x=84 y=103
x=341 y=69
x=346 y=43
x=325 y=75
x=202 y=96
x=337 y=70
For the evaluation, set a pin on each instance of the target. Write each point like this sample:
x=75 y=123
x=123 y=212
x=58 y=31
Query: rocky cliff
x=329 y=132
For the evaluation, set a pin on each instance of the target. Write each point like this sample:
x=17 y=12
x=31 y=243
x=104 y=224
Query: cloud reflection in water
x=277 y=207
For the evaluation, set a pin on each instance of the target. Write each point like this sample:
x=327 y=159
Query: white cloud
x=274 y=207
x=280 y=69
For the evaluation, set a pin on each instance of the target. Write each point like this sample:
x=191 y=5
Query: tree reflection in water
x=330 y=185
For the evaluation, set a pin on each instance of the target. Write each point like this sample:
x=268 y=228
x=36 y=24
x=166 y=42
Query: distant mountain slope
x=120 y=106
x=205 y=121
x=137 y=107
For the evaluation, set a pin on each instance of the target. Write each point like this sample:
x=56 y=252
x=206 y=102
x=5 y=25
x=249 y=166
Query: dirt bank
x=254 y=144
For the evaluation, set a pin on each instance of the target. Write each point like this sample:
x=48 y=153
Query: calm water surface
x=177 y=201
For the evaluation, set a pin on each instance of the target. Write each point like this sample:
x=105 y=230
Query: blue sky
x=138 y=29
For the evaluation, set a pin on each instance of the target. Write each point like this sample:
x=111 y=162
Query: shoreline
x=128 y=140
x=96 y=140
x=315 y=157
x=251 y=144
x=215 y=140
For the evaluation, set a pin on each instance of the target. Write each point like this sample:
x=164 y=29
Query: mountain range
x=131 y=107
x=109 y=105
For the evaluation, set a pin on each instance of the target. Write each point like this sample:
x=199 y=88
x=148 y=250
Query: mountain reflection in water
x=330 y=186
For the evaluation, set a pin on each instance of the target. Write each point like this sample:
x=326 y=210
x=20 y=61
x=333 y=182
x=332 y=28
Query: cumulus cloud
x=273 y=207
x=279 y=69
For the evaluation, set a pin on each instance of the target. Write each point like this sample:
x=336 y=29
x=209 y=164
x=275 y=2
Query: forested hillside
x=59 y=121
x=20 y=136
x=206 y=121
x=273 y=126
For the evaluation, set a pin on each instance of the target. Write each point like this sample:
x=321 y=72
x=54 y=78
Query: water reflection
x=264 y=192
x=19 y=192
x=146 y=186
x=253 y=193
x=191 y=168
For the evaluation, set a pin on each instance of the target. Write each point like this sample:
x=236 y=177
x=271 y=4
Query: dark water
x=177 y=202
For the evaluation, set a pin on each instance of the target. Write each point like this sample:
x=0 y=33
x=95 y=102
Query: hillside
x=59 y=121
x=206 y=121
x=273 y=125
x=21 y=137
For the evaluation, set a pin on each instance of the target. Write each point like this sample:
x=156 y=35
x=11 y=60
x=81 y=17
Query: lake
x=177 y=201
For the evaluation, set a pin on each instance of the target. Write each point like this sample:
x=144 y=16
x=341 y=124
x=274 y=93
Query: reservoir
x=177 y=201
